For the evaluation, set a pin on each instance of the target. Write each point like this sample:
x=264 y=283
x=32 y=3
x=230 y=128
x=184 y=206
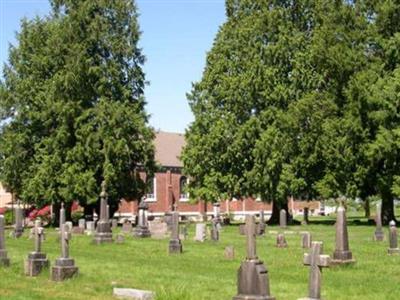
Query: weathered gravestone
x=316 y=261
x=69 y=226
x=82 y=223
x=229 y=252
x=306 y=239
x=103 y=230
x=19 y=217
x=90 y=228
x=281 y=241
x=201 y=233
x=37 y=260
x=120 y=238
x=4 y=260
x=64 y=267
x=253 y=281
x=127 y=227
x=78 y=230
x=342 y=254
x=133 y=294
x=175 y=245
x=114 y=224
x=158 y=229
x=214 y=230
x=261 y=224
x=379 y=235
x=283 y=218
x=142 y=229
x=393 y=246
x=242 y=229
x=305 y=216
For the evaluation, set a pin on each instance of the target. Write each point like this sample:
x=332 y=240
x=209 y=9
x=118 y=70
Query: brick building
x=168 y=188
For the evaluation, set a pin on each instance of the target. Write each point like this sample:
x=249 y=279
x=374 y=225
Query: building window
x=151 y=189
x=183 y=185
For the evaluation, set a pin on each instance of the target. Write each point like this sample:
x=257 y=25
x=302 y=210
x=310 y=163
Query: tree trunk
x=367 y=208
x=56 y=211
x=387 y=213
x=68 y=212
x=276 y=208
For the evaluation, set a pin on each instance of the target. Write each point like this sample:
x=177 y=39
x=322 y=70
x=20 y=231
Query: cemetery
x=199 y=149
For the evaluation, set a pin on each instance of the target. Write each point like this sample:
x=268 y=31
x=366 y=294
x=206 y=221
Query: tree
x=72 y=106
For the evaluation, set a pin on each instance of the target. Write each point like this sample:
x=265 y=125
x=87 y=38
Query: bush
x=8 y=217
x=76 y=215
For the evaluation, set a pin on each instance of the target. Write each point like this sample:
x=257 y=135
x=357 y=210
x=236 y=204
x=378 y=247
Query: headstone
x=201 y=234
x=78 y=230
x=19 y=217
x=283 y=218
x=316 y=261
x=379 y=235
x=120 y=238
x=175 y=245
x=133 y=294
x=342 y=254
x=90 y=228
x=393 y=246
x=261 y=224
x=127 y=227
x=253 y=281
x=64 y=267
x=37 y=260
x=281 y=241
x=306 y=240
x=242 y=229
x=229 y=252
x=103 y=230
x=142 y=229
x=4 y=260
x=82 y=224
x=158 y=229
x=114 y=224
x=214 y=230
x=69 y=226
x=305 y=216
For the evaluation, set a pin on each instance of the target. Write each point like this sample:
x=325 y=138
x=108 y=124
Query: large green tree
x=72 y=106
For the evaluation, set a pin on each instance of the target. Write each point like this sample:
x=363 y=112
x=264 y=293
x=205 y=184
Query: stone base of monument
x=64 y=269
x=379 y=236
x=175 y=246
x=253 y=281
x=4 y=260
x=142 y=232
x=393 y=251
x=35 y=263
x=102 y=238
x=342 y=258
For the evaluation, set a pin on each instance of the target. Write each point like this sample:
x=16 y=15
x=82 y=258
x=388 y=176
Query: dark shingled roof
x=168 y=148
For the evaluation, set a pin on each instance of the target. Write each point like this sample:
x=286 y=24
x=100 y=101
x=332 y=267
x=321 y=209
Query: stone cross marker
x=103 y=230
x=379 y=235
x=37 y=260
x=283 y=218
x=4 y=260
x=316 y=261
x=142 y=230
x=342 y=254
x=393 y=246
x=253 y=281
x=19 y=217
x=175 y=245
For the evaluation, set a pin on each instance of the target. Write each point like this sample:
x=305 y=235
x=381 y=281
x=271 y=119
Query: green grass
x=201 y=272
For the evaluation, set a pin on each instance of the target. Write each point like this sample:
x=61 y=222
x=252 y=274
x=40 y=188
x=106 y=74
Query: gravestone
x=201 y=234
x=158 y=229
x=306 y=240
x=64 y=267
x=316 y=261
x=103 y=230
x=19 y=217
x=253 y=281
x=69 y=226
x=393 y=246
x=283 y=218
x=214 y=230
x=82 y=224
x=127 y=227
x=305 y=216
x=175 y=245
x=281 y=241
x=261 y=224
x=90 y=228
x=114 y=224
x=142 y=229
x=229 y=252
x=120 y=238
x=379 y=235
x=342 y=254
x=242 y=229
x=37 y=260
x=133 y=294
x=4 y=260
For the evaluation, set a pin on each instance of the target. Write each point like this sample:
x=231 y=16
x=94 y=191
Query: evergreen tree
x=72 y=106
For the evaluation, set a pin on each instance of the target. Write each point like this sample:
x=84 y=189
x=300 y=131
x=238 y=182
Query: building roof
x=168 y=148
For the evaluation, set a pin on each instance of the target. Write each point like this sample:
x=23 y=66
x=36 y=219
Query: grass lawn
x=201 y=272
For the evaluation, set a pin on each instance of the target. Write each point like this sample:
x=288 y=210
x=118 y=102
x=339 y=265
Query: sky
x=176 y=35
